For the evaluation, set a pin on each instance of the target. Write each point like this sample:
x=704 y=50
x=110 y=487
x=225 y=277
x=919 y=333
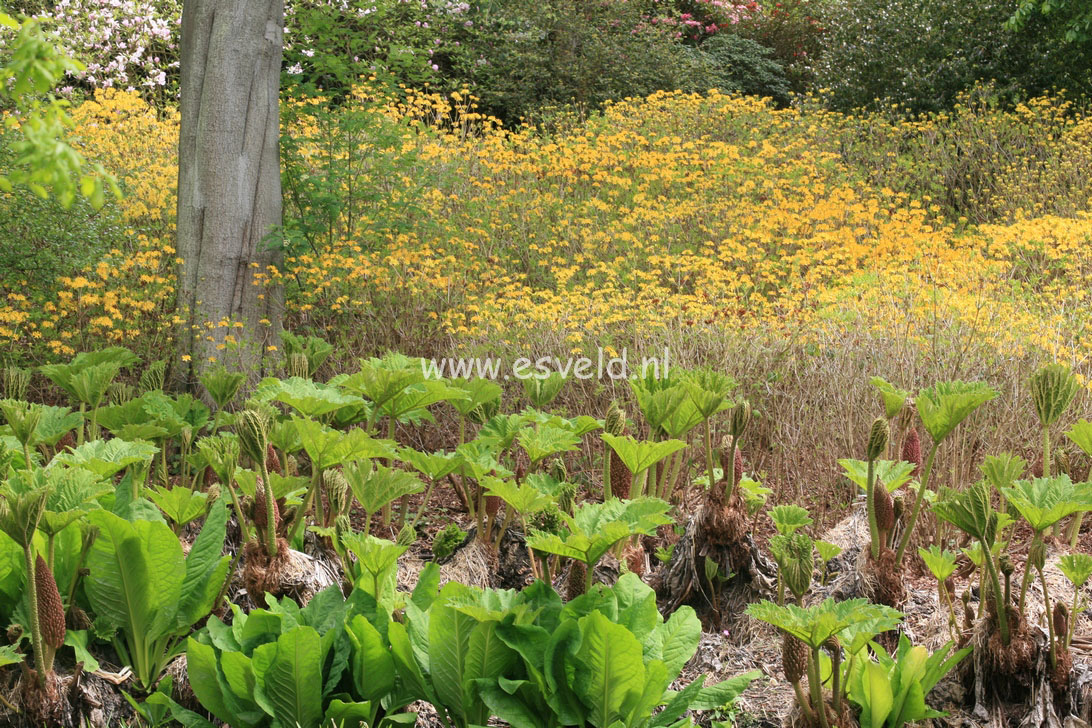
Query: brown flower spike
x=50 y=609
x=911 y=451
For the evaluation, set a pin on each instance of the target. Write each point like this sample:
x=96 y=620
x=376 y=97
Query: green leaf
x=221 y=384
x=1053 y=388
x=478 y=392
x=893 y=474
x=660 y=400
x=77 y=639
x=818 y=623
x=827 y=550
x=878 y=699
x=1081 y=435
x=545 y=440
x=720 y=695
x=55 y=423
x=789 y=518
x=433 y=466
x=449 y=636
x=377 y=561
x=377 y=485
x=290 y=679
x=709 y=390
x=524 y=498
x=107 y=457
x=203 y=674
x=372 y=664
x=1076 y=567
x=206 y=569
x=969 y=510
x=944 y=405
x=180 y=505
x=509 y=707
x=1002 y=469
x=541 y=391
x=8 y=656
x=417 y=397
x=608 y=668
x=134 y=583
x=328 y=448
x=942 y=564
x=640 y=455
x=679 y=638
x=1045 y=501
x=892 y=398
x=306 y=397
x=501 y=431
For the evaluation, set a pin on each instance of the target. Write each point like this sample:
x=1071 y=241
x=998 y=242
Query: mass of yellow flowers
x=699 y=215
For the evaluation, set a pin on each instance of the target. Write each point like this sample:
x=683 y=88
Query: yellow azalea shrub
x=702 y=214
x=128 y=295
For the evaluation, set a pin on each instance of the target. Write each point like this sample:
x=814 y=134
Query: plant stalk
x=802 y=701
x=424 y=504
x=870 y=506
x=730 y=466
x=1027 y=571
x=1072 y=617
x=816 y=687
x=908 y=532
x=35 y=622
x=607 y=494
x=836 y=680
x=1049 y=620
x=302 y=508
x=998 y=595
x=709 y=453
x=270 y=524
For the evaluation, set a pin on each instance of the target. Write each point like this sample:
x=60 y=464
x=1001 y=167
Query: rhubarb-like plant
x=595 y=527
x=1053 y=388
x=892 y=398
x=942 y=408
x=542 y=390
x=1080 y=434
x=639 y=456
x=826 y=552
x=435 y=467
x=222 y=386
x=252 y=429
x=1078 y=569
x=19 y=517
x=972 y=512
x=376 y=486
x=87 y=377
x=942 y=564
x=825 y=626
x=1044 y=502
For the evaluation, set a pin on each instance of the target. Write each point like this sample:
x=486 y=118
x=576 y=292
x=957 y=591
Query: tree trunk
x=229 y=184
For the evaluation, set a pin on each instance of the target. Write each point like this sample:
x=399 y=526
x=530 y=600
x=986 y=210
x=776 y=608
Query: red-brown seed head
x=911 y=450
x=50 y=608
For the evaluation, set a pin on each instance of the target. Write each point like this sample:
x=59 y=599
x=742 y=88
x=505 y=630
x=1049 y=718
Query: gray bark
x=229 y=183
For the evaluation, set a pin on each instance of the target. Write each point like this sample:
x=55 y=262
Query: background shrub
x=743 y=65
x=794 y=33
x=125 y=44
x=922 y=55
x=331 y=44
x=977 y=163
x=516 y=55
